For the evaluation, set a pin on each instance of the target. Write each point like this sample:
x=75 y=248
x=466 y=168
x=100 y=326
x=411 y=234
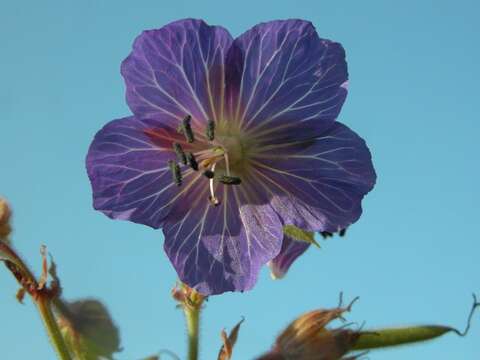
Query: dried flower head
x=308 y=338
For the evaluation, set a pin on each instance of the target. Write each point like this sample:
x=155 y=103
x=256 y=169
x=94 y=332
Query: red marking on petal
x=165 y=137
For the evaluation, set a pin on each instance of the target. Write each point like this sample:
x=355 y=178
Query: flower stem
x=53 y=331
x=192 y=317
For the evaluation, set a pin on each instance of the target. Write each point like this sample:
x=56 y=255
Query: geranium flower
x=229 y=141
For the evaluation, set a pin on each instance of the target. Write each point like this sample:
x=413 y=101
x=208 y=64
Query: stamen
x=227 y=163
x=176 y=173
x=186 y=129
x=191 y=161
x=210 y=130
x=229 y=180
x=212 y=198
x=180 y=154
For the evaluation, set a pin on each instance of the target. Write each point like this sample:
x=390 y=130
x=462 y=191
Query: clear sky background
x=413 y=256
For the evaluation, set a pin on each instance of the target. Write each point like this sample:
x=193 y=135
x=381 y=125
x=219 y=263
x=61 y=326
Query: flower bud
x=5 y=215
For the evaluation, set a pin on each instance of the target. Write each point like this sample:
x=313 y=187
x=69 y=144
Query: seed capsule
x=176 y=173
x=181 y=157
x=210 y=131
x=191 y=161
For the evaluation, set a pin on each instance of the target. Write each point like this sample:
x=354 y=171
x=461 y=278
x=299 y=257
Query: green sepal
x=300 y=235
x=398 y=336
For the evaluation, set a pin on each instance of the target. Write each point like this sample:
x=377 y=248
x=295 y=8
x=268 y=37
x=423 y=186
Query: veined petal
x=222 y=248
x=178 y=70
x=127 y=167
x=318 y=187
x=281 y=75
x=291 y=250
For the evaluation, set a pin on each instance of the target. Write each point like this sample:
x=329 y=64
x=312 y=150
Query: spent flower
x=230 y=140
x=308 y=338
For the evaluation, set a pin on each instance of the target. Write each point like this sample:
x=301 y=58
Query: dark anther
x=326 y=234
x=342 y=232
x=210 y=130
x=186 y=129
x=175 y=169
x=190 y=158
x=229 y=180
x=209 y=174
x=181 y=157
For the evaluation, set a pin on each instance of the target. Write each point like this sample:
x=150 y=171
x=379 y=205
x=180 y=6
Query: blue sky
x=413 y=256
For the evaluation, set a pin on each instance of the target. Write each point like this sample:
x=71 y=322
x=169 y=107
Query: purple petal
x=127 y=167
x=222 y=248
x=178 y=70
x=318 y=185
x=283 y=76
x=291 y=250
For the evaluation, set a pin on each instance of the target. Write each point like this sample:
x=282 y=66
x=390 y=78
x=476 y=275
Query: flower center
x=222 y=161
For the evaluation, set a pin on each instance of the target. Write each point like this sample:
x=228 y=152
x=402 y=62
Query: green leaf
x=398 y=336
x=300 y=235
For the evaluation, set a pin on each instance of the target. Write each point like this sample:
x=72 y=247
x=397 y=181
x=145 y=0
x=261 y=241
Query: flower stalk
x=191 y=302
x=51 y=326
x=41 y=294
x=192 y=318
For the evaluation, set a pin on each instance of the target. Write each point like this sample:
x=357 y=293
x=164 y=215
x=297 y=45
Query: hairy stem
x=52 y=328
x=192 y=317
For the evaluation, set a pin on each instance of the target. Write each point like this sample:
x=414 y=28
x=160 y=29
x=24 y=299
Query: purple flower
x=229 y=141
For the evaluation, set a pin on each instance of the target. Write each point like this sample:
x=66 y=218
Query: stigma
x=213 y=161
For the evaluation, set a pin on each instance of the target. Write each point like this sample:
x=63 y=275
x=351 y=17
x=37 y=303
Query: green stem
x=53 y=331
x=192 y=317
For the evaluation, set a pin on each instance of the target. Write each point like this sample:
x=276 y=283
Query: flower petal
x=178 y=70
x=283 y=76
x=127 y=167
x=291 y=250
x=222 y=248
x=318 y=185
